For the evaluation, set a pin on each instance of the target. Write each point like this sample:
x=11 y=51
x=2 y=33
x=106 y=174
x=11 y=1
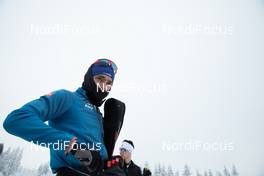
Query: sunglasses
x=108 y=63
x=123 y=150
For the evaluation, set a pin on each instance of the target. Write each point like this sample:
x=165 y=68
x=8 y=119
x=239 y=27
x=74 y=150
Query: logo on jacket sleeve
x=89 y=106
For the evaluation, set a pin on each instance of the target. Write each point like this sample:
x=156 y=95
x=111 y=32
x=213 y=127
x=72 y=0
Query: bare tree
x=198 y=173
x=163 y=171
x=218 y=173
x=210 y=173
x=44 y=169
x=226 y=172
x=234 y=171
x=10 y=161
x=176 y=173
x=186 y=171
x=1 y=148
x=205 y=173
x=170 y=171
x=157 y=171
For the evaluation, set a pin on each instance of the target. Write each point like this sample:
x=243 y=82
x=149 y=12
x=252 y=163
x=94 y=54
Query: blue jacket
x=69 y=114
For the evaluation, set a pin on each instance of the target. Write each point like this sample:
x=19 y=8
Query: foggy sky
x=189 y=71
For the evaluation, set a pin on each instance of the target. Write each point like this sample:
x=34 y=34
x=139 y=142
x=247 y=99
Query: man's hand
x=90 y=159
x=113 y=167
x=114 y=161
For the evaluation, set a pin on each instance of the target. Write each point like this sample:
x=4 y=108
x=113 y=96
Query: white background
x=205 y=57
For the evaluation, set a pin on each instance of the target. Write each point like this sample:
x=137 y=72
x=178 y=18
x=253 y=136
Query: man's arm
x=28 y=121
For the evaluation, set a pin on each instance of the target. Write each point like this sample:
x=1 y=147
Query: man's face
x=125 y=154
x=103 y=82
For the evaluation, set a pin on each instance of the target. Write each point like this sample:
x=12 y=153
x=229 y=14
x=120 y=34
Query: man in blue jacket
x=74 y=122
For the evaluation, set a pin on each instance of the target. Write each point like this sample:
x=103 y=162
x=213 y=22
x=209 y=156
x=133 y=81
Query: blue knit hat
x=98 y=69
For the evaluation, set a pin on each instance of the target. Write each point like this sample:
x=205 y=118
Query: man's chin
x=122 y=157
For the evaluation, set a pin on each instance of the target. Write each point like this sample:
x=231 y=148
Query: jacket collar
x=82 y=93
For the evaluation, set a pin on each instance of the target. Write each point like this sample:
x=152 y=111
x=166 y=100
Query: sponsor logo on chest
x=89 y=106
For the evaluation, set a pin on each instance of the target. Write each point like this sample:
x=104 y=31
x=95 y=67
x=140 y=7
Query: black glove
x=114 y=161
x=113 y=167
x=146 y=172
x=90 y=159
